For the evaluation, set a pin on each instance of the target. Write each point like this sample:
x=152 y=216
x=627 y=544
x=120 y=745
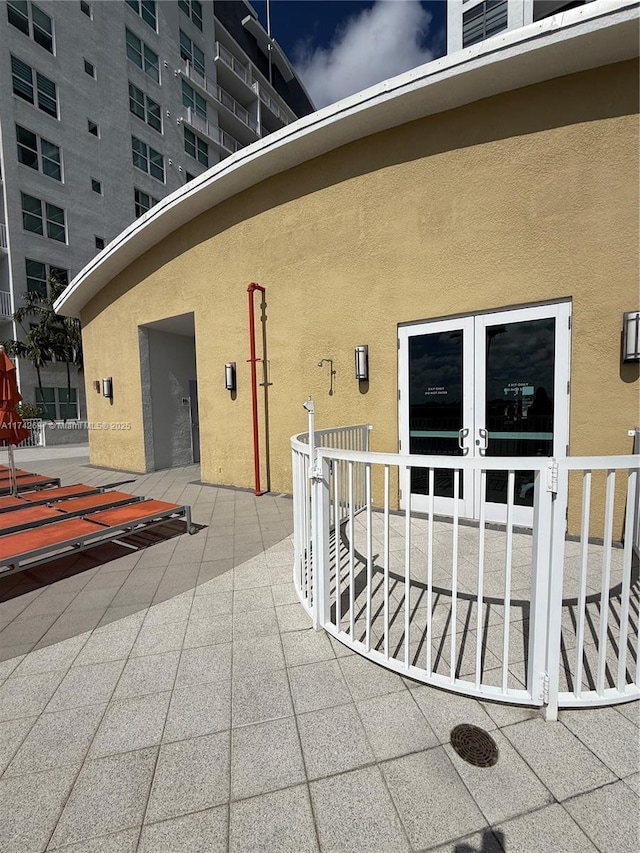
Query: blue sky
x=342 y=46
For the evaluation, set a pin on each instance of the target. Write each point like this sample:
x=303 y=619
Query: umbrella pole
x=13 y=480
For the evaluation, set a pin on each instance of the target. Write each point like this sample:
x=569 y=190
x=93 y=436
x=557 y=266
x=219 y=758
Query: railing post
x=321 y=562
x=537 y=676
x=556 y=575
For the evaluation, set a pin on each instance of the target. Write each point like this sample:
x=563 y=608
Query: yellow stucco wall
x=524 y=197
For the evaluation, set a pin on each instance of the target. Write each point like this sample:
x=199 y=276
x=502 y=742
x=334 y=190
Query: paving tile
x=444 y=711
x=191 y=775
x=425 y=788
x=547 y=830
x=309 y=646
x=111 y=642
x=265 y=757
x=339 y=649
x=255 y=623
x=27 y=630
x=26 y=696
x=318 y=685
x=8 y=666
x=198 y=710
x=630 y=710
x=119 y=842
x=333 y=741
x=57 y=656
x=12 y=734
x=612 y=737
x=281 y=821
x=131 y=724
x=540 y=743
x=263 y=696
x=157 y=639
x=150 y=674
x=193 y=833
x=71 y=625
x=257 y=654
x=252 y=598
x=86 y=685
x=204 y=664
x=208 y=632
x=506 y=715
x=633 y=782
x=215 y=577
x=284 y=593
x=354 y=812
x=109 y=795
x=210 y=606
x=253 y=573
x=31 y=806
x=366 y=679
x=487 y=841
x=507 y=789
x=59 y=739
x=173 y=610
x=609 y=816
x=293 y=617
x=395 y=725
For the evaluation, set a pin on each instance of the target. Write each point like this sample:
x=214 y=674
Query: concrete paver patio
x=176 y=698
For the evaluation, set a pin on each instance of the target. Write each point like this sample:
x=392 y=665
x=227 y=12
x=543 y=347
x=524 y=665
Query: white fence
x=531 y=617
x=37 y=430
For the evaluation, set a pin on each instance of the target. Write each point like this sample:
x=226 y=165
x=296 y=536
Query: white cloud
x=380 y=42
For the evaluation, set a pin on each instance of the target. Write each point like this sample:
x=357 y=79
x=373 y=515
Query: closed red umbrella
x=12 y=428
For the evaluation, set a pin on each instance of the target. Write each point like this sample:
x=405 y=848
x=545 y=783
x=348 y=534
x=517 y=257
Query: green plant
x=29 y=410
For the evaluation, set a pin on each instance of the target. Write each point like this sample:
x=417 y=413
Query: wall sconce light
x=631 y=336
x=107 y=388
x=230 y=376
x=362 y=363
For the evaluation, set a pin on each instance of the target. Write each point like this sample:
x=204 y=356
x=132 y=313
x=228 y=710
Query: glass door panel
x=519 y=388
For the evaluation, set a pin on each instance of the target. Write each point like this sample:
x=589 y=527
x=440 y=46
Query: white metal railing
x=636 y=535
x=221 y=96
x=5 y=304
x=534 y=618
x=273 y=106
x=234 y=64
x=37 y=437
x=211 y=131
x=3 y=236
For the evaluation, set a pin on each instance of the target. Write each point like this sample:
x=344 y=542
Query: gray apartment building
x=106 y=108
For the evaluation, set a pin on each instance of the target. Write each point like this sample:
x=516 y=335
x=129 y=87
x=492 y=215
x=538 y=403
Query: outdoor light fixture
x=362 y=363
x=230 y=376
x=631 y=336
x=107 y=388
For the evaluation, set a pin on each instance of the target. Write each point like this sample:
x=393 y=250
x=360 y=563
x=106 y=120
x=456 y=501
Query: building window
x=39 y=275
x=143 y=202
x=32 y=21
x=58 y=403
x=192 y=9
x=142 y=106
x=96 y=186
x=34 y=87
x=85 y=8
x=93 y=128
x=147 y=159
x=38 y=153
x=99 y=242
x=190 y=177
x=90 y=69
x=192 y=53
x=143 y=56
x=484 y=20
x=196 y=147
x=147 y=11
x=193 y=100
x=36 y=213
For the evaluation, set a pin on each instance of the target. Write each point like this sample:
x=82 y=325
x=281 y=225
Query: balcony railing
x=3 y=236
x=5 y=304
x=218 y=94
x=211 y=131
x=273 y=106
x=234 y=64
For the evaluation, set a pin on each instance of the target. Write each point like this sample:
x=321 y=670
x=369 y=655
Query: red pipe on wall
x=254 y=384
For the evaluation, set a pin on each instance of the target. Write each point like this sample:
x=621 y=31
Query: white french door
x=492 y=384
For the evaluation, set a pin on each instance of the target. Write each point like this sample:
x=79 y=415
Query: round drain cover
x=474 y=745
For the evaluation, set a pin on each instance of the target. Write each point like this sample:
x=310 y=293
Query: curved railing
x=492 y=611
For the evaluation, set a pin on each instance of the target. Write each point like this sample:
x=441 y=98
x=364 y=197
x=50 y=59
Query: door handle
x=462 y=434
x=484 y=437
